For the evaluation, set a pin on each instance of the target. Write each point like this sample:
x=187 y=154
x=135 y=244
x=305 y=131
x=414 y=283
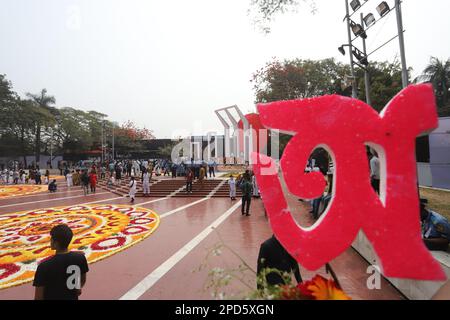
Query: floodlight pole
x=51 y=147
x=354 y=89
x=366 y=72
x=102 y=142
x=113 y=145
x=398 y=9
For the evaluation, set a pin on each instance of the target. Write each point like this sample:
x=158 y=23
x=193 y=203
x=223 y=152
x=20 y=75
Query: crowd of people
x=22 y=176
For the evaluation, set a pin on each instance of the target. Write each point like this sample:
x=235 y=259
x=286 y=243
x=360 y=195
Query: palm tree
x=46 y=114
x=438 y=73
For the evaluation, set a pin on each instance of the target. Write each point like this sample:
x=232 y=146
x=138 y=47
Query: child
x=53 y=276
x=232 y=184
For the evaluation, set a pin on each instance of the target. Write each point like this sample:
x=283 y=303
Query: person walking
x=69 y=179
x=201 y=176
x=255 y=186
x=85 y=182
x=103 y=172
x=146 y=183
x=189 y=179
x=375 y=172
x=212 y=168
x=93 y=181
x=133 y=189
x=150 y=170
x=174 y=170
x=247 y=191
x=118 y=175
x=232 y=184
x=38 y=177
x=47 y=177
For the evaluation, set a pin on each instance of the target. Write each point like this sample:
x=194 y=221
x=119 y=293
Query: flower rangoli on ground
x=99 y=232
x=20 y=190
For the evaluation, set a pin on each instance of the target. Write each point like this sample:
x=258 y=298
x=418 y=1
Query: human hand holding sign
x=344 y=127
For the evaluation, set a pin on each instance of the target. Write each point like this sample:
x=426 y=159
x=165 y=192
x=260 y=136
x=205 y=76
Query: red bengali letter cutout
x=344 y=127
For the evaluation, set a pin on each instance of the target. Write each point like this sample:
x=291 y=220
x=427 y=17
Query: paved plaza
x=166 y=263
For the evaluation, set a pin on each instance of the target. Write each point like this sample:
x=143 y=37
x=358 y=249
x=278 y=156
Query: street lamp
x=358 y=54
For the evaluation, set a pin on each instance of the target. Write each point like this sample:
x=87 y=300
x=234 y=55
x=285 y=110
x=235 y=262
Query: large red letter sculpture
x=344 y=127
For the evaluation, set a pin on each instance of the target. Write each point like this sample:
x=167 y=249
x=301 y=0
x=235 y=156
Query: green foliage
x=298 y=79
x=34 y=126
x=438 y=73
x=264 y=11
x=385 y=83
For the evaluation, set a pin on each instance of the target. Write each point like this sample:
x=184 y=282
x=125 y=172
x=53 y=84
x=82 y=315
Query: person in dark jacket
x=247 y=192
x=85 y=182
x=272 y=255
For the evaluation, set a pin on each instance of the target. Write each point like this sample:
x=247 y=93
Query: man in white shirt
x=146 y=183
x=375 y=171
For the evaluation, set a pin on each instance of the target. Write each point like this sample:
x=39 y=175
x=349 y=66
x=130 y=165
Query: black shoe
x=248 y=215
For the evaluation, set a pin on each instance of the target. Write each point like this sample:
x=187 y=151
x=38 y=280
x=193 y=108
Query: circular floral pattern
x=20 y=190
x=99 y=232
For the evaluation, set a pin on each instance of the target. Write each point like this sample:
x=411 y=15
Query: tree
x=45 y=116
x=385 y=83
x=298 y=79
x=264 y=11
x=129 y=138
x=438 y=73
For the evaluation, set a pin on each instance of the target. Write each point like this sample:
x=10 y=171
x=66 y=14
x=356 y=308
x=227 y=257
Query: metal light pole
x=354 y=89
x=113 y=154
x=398 y=9
x=51 y=148
x=366 y=73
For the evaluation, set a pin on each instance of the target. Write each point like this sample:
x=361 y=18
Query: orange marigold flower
x=322 y=289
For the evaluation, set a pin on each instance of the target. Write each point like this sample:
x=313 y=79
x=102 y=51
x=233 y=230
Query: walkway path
x=163 y=265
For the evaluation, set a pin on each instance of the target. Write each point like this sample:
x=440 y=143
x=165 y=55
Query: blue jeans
x=315 y=207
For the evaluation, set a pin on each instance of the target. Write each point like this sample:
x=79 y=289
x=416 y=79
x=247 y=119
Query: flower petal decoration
x=322 y=289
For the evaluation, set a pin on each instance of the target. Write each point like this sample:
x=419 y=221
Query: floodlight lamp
x=358 y=30
x=342 y=50
x=369 y=20
x=383 y=9
x=355 y=4
x=361 y=57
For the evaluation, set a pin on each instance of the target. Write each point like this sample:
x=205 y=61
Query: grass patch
x=438 y=201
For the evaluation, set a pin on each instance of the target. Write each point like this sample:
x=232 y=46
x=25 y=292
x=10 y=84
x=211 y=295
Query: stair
x=176 y=188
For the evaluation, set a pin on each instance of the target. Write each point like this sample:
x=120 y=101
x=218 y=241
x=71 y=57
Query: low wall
x=424 y=174
x=414 y=290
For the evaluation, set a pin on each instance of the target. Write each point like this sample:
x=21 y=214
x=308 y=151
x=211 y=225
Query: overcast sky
x=168 y=65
